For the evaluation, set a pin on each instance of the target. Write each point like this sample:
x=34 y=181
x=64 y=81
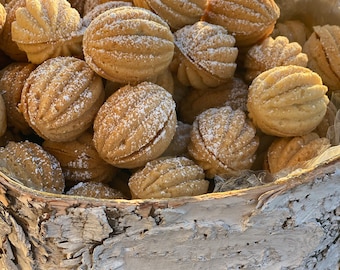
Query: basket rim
x=326 y=165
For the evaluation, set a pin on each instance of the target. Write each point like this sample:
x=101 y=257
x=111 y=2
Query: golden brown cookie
x=294 y=30
x=223 y=141
x=271 y=53
x=31 y=165
x=206 y=55
x=95 y=190
x=128 y=45
x=135 y=125
x=249 y=20
x=12 y=80
x=61 y=97
x=234 y=93
x=323 y=51
x=7 y=44
x=3 y=14
x=47 y=28
x=168 y=177
x=287 y=101
x=178 y=13
x=80 y=161
x=3 y=117
x=291 y=153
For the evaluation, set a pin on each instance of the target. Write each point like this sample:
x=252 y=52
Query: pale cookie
x=323 y=52
x=249 y=20
x=128 y=45
x=61 y=97
x=48 y=28
x=271 y=53
x=80 y=160
x=223 y=141
x=292 y=153
x=12 y=80
x=168 y=177
x=287 y=101
x=135 y=125
x=177 y=13
x=30 y=164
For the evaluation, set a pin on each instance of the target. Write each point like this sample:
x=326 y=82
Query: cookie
x=135 y=125
x=287 y=101
x=12 y=80
x=61 y=97
x=292 y=152
x=177 y=13
x=271 y=53
x=80 y=160
x=128 y=45
x=250 y=21
x=96 y=190
x=206 y=55
x=44 y=29
x=3 y=117
x=294 y=30
x=168 y=177
x=31 y=165
x=223 y=141
x=322 y=48
x=234 y=93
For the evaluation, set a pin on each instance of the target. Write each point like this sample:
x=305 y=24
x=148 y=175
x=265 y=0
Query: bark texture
x=289 y=224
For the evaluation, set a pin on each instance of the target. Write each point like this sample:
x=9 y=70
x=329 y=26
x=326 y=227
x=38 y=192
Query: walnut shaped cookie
x=47 y=29
x=128 y=45
x=61 y=97
x=205 y=55
x=135 y=125
x=287 y=101
x=223 y=141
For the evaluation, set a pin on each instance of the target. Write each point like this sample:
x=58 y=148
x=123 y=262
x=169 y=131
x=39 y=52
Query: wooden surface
x=290 y=224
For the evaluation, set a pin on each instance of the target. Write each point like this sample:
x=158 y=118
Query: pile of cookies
x=145 y=99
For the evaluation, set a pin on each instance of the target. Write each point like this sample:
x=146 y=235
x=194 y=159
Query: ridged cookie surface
x=128 y=45
x=207 y=55
x=223 y=141
x=168 y=177
x=47 y=28
x=287 y=101
x=135 y=125
x=61 y=97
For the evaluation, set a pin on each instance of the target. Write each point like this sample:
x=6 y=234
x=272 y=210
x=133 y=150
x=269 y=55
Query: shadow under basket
x=292 y=223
